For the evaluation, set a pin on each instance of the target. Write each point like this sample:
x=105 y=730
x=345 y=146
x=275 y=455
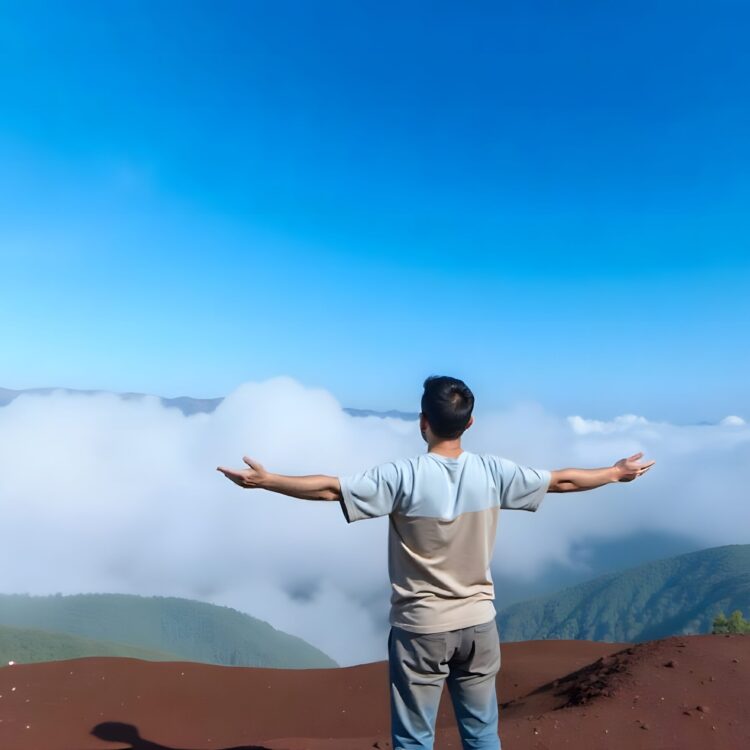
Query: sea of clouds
x=104 y=494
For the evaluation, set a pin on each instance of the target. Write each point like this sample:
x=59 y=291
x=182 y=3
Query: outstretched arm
x=576 y=480
x=311 y=487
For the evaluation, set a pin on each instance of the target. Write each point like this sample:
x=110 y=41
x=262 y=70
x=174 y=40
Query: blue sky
x=549 y=200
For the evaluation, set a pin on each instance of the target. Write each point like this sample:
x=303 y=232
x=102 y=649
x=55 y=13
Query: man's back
x=443 y=519
x=443 y=508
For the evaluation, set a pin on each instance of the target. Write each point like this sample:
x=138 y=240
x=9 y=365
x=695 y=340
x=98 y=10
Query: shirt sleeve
x=520 y=487
x=370 y=493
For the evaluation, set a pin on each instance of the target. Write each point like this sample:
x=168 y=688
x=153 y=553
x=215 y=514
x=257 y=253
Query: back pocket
x=485 y=627
x=432 y=636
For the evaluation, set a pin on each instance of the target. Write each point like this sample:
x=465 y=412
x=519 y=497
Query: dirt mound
x=673 y=694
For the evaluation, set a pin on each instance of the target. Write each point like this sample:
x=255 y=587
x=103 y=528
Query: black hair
x=447 y=403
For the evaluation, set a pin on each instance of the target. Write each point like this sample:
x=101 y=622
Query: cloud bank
x=103 y=494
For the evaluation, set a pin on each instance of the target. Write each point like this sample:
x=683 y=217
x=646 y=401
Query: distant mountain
x=393 y=413
x=28 y=645
x=191 y=630
x=186 y=404
x=678 y=595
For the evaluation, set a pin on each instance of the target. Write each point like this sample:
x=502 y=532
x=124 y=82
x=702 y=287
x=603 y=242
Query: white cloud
x=622 y=423
x=99 y=493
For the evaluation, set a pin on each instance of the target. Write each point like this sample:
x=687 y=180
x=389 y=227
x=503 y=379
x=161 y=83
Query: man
x=443 y=508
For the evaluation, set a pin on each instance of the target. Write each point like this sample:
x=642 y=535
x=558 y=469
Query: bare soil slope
x=675 y=694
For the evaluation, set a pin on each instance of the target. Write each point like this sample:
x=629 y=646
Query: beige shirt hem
x=478 y=617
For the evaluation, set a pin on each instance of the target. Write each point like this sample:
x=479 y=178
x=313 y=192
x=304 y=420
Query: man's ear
x=424 y=427
x=470 y=422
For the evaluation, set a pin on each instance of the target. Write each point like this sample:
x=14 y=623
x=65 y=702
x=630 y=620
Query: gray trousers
x=419 y=664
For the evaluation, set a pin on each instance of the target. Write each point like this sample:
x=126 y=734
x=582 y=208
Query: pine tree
x=735 y=623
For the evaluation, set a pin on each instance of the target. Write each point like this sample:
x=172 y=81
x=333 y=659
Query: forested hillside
x=677 y=595
x=191 y=630
x=27 y=645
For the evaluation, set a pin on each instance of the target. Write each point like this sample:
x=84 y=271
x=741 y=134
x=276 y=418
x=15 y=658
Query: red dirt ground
x=680 y=693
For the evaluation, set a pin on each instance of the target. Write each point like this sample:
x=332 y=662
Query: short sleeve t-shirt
x=443 y=519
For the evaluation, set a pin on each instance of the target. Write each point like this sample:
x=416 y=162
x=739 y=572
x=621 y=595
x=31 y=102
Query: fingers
x=632 y=462
x=252 y=463
x=237 y=477
x=632 y=469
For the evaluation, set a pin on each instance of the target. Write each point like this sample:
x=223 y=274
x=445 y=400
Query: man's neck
x=447 y=448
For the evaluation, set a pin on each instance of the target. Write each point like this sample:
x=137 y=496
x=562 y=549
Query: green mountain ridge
x=189 y=630
x=677 y=595
x=28 y=645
